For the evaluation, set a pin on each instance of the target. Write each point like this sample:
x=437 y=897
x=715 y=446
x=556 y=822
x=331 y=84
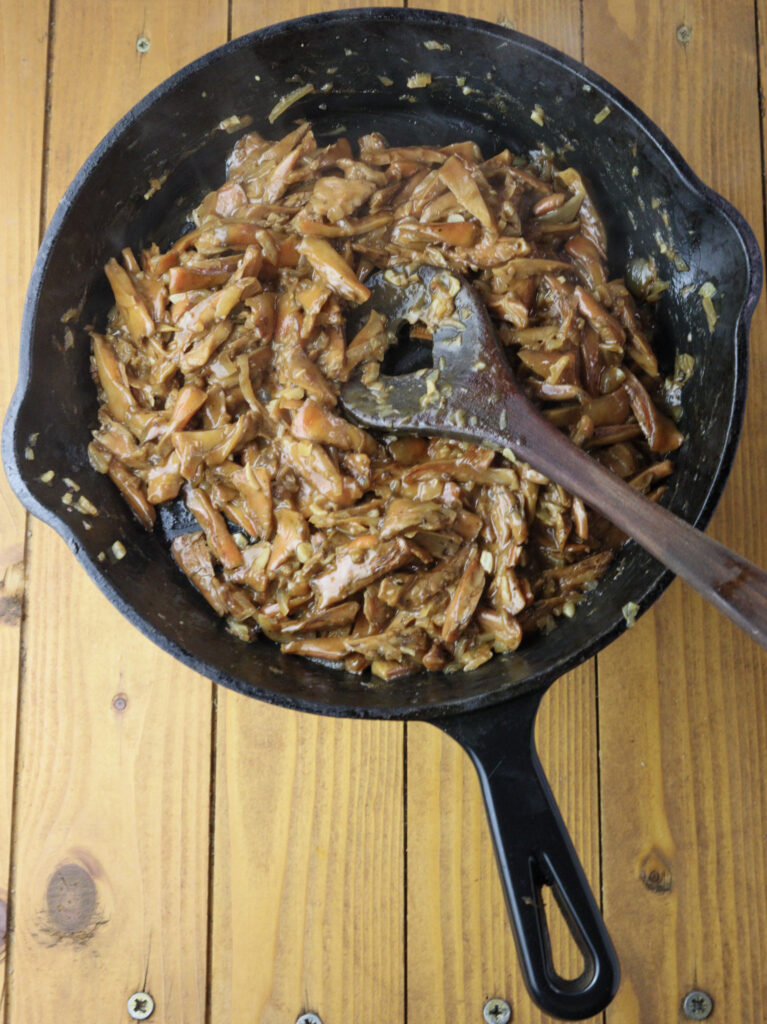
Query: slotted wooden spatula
x=468 y=391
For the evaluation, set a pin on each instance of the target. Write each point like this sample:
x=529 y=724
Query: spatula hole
x=408 y=353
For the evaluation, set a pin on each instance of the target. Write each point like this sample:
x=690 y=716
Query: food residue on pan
x=29 y=450
x=630 y=610
x=155 y=184
x=234 y=122
x=285 y=102
x=82 y=504
x=707 y=292
x=684 y=365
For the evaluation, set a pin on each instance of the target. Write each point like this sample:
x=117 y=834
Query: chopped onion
x=288 y=100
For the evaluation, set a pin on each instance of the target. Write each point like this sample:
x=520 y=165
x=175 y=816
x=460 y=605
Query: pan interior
x=486 y=81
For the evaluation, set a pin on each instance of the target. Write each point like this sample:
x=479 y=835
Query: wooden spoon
x=469 y=392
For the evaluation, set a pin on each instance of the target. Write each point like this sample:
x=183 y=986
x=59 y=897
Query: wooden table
x=244 y=863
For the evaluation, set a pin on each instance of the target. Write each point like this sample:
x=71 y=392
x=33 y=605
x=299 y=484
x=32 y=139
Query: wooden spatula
x=468 y=391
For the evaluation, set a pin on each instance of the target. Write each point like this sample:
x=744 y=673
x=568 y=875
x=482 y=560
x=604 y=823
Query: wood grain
x=682 y=696
x=308 y=901
x=557 y=22
x=24 y=45
x=111 y=837
x=460 y=948
x=249 y=15
x=110 y=851
x=308 y=883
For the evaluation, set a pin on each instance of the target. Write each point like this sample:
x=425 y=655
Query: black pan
x=174 y=133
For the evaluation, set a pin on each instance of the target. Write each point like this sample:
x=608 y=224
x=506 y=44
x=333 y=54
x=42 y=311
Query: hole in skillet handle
x=568 y=961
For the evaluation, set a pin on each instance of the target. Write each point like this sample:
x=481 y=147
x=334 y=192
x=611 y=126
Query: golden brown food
x=219 y=372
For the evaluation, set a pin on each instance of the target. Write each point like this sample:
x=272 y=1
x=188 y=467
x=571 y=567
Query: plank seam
x=603 y=1014
x=212 y=779
x=405 y=729
x=211 y=851
x=405 y=816
x=11 y=902
x=47 y=119
x=10 y=920
x=760 y=104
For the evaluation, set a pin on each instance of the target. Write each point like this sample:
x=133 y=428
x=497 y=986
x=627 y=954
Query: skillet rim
x=539 y=681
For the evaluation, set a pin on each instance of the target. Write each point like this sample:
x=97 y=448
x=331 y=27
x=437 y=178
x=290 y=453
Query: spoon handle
x=731 y=583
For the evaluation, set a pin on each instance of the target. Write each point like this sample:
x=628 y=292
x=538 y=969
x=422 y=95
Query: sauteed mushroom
x=220 y=368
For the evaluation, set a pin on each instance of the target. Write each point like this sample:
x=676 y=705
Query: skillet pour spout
x=174 y=135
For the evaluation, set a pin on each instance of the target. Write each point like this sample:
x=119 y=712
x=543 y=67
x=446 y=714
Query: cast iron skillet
x=173 y=135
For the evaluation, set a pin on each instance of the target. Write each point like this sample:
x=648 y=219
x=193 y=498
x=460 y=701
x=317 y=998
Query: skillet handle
x=533 y=849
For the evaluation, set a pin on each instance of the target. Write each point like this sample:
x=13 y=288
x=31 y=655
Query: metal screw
x=496 y=1011
x=684 y=34
x=140 y=1006
x=309 y=1018
x=697 y=1005
x=142 y=45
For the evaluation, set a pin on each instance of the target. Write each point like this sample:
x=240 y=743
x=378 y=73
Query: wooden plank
x=460 y=949
x=308 y=898
x=111 y=839
x=308 y=840
x=24 y=45
x=557 y=22
x=682 y=697
x=250 y=15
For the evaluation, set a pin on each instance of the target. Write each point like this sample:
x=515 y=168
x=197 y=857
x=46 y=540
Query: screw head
x=684 y=34
x=309 y=1018
x=140 y=1006
x=496 y=1011
x=142 y=44
x=697 y=1005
